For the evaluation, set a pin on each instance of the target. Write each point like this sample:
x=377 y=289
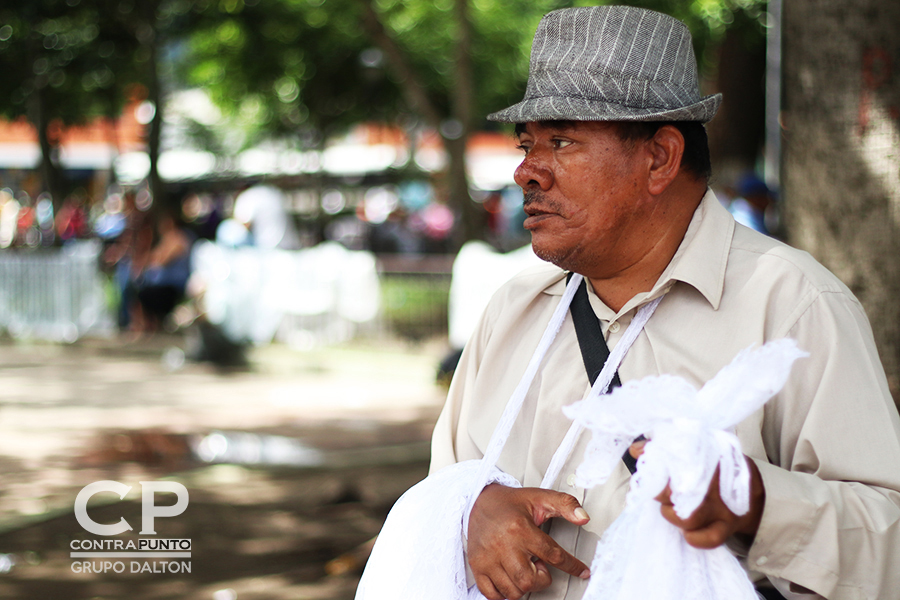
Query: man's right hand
x=507 y=551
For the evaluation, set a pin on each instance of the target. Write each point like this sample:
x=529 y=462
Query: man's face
x=582 y=188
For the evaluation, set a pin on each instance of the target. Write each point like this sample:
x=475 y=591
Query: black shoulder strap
x=594 y=351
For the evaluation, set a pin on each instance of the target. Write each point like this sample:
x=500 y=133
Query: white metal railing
x=54 y=294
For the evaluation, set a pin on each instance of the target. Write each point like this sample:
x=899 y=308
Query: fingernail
x=581 y=513
x=585 y=574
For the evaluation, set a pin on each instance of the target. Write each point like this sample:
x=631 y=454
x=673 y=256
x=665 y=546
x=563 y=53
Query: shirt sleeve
x=831 y=523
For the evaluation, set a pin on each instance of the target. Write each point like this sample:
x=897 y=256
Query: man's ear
x=666 y=148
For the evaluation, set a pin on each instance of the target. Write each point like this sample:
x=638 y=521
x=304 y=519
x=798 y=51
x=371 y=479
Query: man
x=615 y=186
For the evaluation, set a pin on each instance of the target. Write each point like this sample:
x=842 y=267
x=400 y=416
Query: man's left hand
x=713 y=522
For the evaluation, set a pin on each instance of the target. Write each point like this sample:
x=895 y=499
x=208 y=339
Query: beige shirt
x=827 y=446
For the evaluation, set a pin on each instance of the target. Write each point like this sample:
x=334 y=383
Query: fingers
x=637 y=448
x=515 y=579
x=549 y=504
x=712 y=535
x=705 y=528
x=487 y=587
x=501 y=587
x=551 y=553
x=507 y=551
x=710 y=525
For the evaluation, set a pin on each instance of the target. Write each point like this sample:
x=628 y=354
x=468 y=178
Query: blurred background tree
x=61 y=63
x=841 y=167
x=305 y=69
x=65 y=62
x=301 y=71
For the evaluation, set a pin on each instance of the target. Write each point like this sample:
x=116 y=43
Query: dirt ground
x=309 y=451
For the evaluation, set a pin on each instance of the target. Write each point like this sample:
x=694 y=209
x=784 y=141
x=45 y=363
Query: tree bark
x=736 y=134
x=50 y=171
x=461 y=101
x=841 y=160
x=154 y=133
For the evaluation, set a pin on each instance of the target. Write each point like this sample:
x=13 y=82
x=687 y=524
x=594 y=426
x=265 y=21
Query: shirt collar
x=700 y=260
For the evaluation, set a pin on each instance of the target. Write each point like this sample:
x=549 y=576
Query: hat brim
x=553 y=108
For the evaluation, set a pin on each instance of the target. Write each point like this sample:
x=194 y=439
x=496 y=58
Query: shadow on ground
x=319 y=447
x=256 y=534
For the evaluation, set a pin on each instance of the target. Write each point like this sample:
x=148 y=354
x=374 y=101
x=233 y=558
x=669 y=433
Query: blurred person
x=9 y=219
x=161 y=281
x=71 y=220
x=28 y=233
x=203 y=213
x=43 y=212
x=261 y=208
x=127 y=253
x=111 y=222
x=616 y=188
x=393 y=235
x=232 y=233
x=750 y=204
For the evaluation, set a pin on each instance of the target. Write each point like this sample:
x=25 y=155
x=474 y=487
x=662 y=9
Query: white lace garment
x=420 y=550
x=642 y=555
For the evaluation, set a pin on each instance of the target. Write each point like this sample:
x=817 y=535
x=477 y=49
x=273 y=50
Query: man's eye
x=523 y=148
x=562 y=143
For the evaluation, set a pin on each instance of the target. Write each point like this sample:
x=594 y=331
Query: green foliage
x=290 y=69
x=70 y=56
x=293 y=67
x=415 y=306
x=287 y=67
x=708 y=21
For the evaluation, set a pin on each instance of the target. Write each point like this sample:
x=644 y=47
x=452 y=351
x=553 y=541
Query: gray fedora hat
x=611 y=63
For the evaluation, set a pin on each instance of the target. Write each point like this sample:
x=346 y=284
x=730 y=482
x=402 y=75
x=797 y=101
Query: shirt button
x=614 y=327
x=762 y=560
x=571 y=480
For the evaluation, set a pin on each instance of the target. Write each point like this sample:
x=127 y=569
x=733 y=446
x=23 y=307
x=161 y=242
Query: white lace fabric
x=642 y=555
x=420 y=550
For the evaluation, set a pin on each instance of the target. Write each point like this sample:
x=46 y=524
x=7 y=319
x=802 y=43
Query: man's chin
x=549 y=254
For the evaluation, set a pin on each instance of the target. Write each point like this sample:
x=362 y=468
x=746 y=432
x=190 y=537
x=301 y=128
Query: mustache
x=531 y=196
x=537 y=196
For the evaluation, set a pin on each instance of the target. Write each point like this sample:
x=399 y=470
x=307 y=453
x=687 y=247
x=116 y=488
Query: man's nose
x=533 y=172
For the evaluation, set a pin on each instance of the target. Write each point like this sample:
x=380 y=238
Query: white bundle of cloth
x=642 y=555
x=420 y=550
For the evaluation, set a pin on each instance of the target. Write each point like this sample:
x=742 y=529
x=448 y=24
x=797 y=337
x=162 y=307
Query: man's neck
x=672 y=224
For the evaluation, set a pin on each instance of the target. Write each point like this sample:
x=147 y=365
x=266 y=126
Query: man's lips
x=537 y=208
x=533 y=211
x=536 y=216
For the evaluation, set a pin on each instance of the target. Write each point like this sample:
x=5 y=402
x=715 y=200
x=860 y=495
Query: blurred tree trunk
x=147 y=33
x=455 y=129
x=50 y=171
x=841 y=161
x=154 y=131
x=462 y=101
x=736 y=134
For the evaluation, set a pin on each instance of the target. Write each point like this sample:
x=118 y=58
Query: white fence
x=54 y=294
x=305 y=298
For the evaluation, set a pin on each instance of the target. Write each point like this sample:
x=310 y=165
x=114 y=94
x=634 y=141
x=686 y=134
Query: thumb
x=549 y=504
